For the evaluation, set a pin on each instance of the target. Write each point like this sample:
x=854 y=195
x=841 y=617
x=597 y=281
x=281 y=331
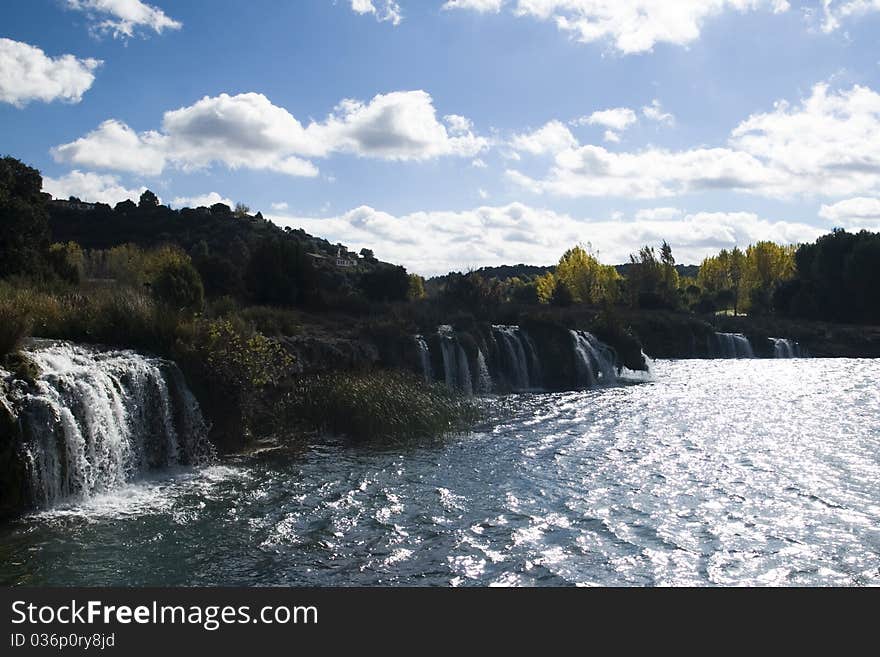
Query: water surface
x=761 y=472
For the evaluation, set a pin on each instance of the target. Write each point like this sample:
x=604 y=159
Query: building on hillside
x=343 y=260
x=73 y=203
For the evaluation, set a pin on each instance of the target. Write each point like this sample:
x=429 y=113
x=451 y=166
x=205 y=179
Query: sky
x=454 y=134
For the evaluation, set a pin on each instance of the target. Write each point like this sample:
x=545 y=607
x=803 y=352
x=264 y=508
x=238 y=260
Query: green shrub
x=236 y=374
x=177 y=284
x=388 y=405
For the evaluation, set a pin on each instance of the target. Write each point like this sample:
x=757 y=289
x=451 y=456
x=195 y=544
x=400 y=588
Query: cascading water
x=457 y=372
x=95 y=420
x=484 y=378
x=425 y=358
x=595 y=360
x=518 y=351
x=516 y=365
x=537 y=376
x=785 y=348
x=731 y=345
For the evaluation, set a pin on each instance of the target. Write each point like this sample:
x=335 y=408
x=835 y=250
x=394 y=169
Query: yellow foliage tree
x=545 y=285
x=589 y=280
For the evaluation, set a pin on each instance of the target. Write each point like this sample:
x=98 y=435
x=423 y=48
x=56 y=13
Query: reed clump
x=379 y=405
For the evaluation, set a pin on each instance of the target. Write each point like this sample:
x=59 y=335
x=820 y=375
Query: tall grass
x=14 y=328
x=384 y=405
x=118 y=316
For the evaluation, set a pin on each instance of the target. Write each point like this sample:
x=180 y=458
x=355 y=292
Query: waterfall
x=514 y=364
x=595 y=360
x=537 y=376
x=627 y=375
x=484 y=378
x=785 y=348
x=95 y=420
x=731 y=345
x=425 y=358
x=456 y=371
x=519 y=357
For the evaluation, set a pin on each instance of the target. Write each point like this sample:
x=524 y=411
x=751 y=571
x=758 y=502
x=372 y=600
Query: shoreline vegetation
x=275 y=329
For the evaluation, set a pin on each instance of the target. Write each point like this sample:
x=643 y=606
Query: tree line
x=192 y=256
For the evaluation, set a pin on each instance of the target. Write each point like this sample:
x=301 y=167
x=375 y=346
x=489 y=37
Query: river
x=719 y=472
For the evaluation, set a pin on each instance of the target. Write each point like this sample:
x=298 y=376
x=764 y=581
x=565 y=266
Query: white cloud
x=401 y=125
x=203 y=200
x=388 y=10
x=248 y=131
x=654 y=214
x=28 y=74
x=479 y=164
x=437 y=242
x=655 y=112
x=828 y=145
x=635 y=26
x=853 y=213
x=551 y=138
x=479 y=6
x=836 y=12
x=122 y=17
x=611 y=136
x=113 y=145
x=90 y=187
x=483 y=193
x=243 y=131
x=280 y=207
x=651 y=173
x=618 y=118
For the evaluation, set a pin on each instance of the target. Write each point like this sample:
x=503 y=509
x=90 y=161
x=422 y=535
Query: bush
x=14 y=328
x=177 y=283
x=386 y=405
x=235 y=373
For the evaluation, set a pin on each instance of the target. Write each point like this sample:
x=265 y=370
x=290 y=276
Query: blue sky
x=448 y=135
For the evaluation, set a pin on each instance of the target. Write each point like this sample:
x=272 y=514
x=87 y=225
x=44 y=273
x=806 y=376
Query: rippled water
x=758 y=472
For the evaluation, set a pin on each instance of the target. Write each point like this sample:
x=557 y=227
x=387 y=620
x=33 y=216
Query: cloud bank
x=437 y=242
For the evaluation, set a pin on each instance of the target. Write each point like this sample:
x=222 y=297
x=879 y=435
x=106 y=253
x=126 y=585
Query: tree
x=837 y=278
x=388 y=283
x=279 y=273
x=148 y=201
x=178 y=284
x=24 y=222
x=416 y=286
x=125 y=207
x=544 y=287
x=241 y=211
x=737 y=269
x=586 y=278
x=520 y=291
x=767 y=266
x=669 y=274
x=562 y=295
x=471 y=292
x=367 y=254
x=67 y=261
